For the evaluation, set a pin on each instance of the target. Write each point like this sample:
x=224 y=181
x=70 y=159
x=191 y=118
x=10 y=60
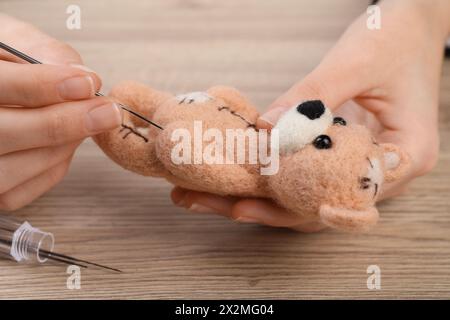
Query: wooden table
x=103 y=213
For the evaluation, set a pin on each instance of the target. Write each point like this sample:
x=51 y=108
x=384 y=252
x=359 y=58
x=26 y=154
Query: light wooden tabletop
x=105 y=214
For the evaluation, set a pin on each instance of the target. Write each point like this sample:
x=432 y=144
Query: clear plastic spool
x=31 y=244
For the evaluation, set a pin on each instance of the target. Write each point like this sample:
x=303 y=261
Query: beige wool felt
x=329 y=171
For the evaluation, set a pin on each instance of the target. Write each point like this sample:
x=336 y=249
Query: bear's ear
x=348 y=219
x=396 y=162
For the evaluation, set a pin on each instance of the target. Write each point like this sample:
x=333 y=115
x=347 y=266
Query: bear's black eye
x=339 y=120
x=322 y=142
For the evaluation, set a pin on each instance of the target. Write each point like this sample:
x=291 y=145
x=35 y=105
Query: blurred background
x=260 y=47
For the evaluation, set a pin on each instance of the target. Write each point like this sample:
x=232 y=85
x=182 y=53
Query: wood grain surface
x=103 y=213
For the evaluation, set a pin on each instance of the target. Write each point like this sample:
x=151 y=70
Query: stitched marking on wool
x=234 y=113
x=131 y=130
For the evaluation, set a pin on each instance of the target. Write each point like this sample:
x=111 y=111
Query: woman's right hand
x=390 y=81
x=45 y=112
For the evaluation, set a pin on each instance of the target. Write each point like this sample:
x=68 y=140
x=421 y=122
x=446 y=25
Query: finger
x=23 y=129
x=322 y=84
x=177 y=195
x=43 y=48
x=246 y=211
x=417 y=136
x=19 y=167
x=41 y=85
x=264 y=211
x=335 y=80
x=201 y=202
x=34 y=188
x=32 y=41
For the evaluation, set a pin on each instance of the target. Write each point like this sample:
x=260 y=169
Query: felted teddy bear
x=326 y=170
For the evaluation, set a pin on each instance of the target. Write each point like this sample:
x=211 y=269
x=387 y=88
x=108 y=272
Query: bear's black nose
x=312 y=109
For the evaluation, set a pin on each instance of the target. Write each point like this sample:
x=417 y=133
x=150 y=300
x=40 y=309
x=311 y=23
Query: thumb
x=331 y=83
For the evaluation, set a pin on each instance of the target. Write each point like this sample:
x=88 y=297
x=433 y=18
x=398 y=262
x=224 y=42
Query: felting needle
x=29 y=59
x=24 y=242
x=72 y=260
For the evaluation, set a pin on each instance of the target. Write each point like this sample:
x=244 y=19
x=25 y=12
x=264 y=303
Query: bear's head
x=330 y=170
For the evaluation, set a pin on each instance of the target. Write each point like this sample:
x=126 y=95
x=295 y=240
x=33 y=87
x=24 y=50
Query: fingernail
x=77 y=88
x=247 y=220
x=198 y=208
x=179 y=198
x=272 y=116
x=82 y=67
x=179 y=201
x=103 y=118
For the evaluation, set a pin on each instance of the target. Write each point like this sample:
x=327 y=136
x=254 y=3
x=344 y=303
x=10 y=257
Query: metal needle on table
x=61 y=257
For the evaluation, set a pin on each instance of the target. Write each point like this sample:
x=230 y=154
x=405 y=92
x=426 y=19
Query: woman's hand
x=387 y=79
x=45 y=112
